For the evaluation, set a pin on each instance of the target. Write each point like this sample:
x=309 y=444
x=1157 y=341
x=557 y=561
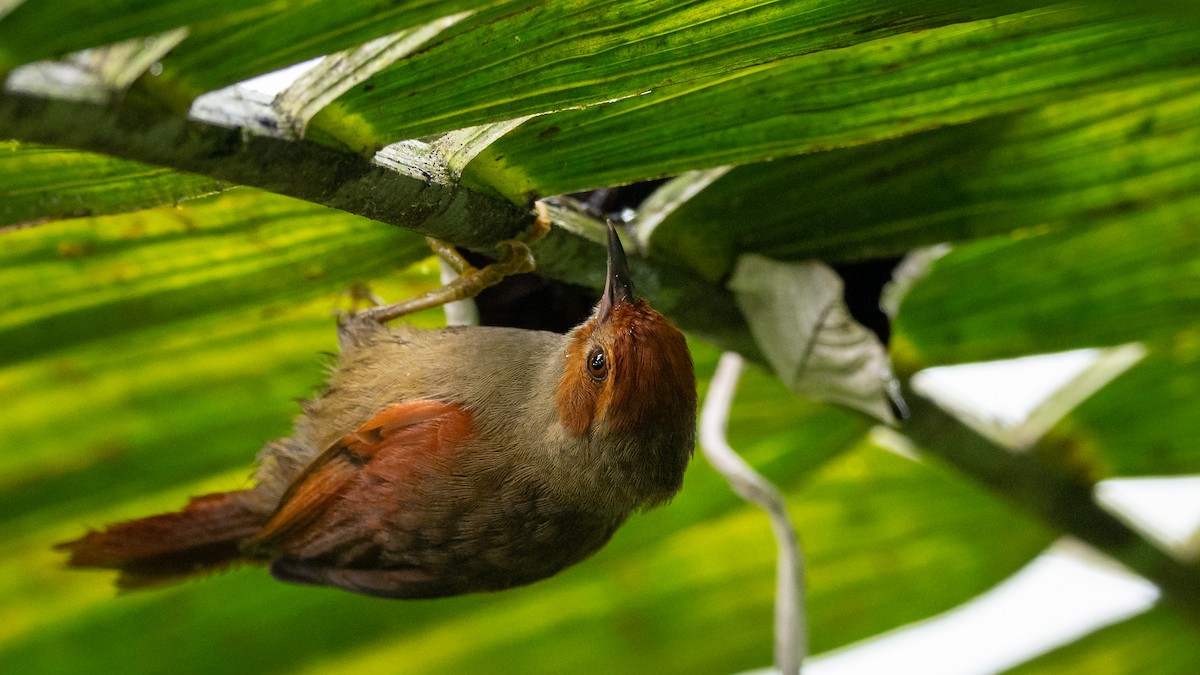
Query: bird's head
x=629 y=383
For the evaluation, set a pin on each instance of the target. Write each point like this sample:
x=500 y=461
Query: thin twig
x=791 y=629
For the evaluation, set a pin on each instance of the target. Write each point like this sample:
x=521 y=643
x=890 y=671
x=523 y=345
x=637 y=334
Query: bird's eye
x=597 y=364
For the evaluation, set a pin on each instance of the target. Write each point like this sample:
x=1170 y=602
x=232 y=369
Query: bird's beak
x=617 y=286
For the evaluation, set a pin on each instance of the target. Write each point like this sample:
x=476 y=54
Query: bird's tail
x=201 y=538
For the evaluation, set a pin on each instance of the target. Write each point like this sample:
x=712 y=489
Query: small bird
x=448 y=461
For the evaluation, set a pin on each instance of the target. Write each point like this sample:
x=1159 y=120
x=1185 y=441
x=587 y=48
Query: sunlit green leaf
x=39 y=30
x=1136 y=277
x=90 y=278
x=45 y=183
x=1081 y=161
x=286 y=34
x=531 y=57
x=1155 y=642
x=1145 y=422
x=869 y=92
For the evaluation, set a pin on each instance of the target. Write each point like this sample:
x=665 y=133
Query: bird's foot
x=358 y=295
x=516 y=259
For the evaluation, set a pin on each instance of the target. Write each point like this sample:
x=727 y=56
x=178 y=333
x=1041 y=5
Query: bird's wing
x=403 y=445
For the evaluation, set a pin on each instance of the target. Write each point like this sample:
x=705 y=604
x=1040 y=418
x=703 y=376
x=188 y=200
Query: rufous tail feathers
x=202 y=538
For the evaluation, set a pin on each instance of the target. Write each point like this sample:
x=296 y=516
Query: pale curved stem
x=791 y=629
x=460 y=312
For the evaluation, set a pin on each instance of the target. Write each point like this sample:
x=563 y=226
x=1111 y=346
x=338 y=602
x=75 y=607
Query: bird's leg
x=450 y=256
x=360 y=294
x=516 y=259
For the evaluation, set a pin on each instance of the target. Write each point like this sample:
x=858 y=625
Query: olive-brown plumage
x=439 y=462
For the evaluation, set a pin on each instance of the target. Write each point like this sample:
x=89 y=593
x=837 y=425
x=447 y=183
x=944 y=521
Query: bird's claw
x=516 y=259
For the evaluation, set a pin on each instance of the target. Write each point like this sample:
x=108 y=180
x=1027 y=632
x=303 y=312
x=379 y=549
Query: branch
x=1061 y=500
x=574 y=252
x=342 y=180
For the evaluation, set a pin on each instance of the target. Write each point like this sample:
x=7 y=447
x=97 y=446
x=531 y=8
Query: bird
x=439 y=462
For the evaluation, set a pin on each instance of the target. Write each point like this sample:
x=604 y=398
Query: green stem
x=1063 y=501
x=136 y=130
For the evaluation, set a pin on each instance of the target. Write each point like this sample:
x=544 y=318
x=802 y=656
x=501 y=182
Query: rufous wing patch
x=396 y=443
